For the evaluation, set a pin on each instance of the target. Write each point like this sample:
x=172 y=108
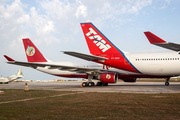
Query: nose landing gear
x=167 y=81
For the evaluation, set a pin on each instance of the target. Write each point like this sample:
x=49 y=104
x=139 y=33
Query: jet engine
x=108 y=77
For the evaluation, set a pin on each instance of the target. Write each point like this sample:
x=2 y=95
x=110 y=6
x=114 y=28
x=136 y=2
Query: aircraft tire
x=90 y=84
x=99 y=83
x=84 y=84
x=167 y=83
x=105 y=84
x=93 y=84
x=4 y=82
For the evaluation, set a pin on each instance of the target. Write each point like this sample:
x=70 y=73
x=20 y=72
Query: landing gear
x=102 y=84
x=105 y=84
x=91 y=84
x=167 y=82
x=85 y=84
x=99 y=83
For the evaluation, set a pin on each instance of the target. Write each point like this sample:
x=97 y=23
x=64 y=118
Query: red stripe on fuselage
x=117 y=61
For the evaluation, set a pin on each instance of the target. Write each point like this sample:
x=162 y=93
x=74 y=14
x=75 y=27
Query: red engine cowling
x=129 y=80
x=108 y=77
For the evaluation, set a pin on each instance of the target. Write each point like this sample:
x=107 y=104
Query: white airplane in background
x=113 y=64
x=67 y=69
x=6 y=80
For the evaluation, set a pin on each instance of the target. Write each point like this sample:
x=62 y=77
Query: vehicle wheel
x=166 y=83
x=105 y=84
x=99 y=83
x=93 y=84
x=84 y=84
x=90 y=84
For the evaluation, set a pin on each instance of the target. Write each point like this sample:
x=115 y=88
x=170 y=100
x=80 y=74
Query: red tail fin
x=97 y=42
x=32 y=53
x=153 y=39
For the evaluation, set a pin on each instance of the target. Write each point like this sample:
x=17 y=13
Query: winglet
x=153 y=39
x=8 y=58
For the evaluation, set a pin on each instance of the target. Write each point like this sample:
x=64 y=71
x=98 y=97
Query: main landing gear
x=102 y=84
x=84 y=84
x=90 y=84
x=167 y=82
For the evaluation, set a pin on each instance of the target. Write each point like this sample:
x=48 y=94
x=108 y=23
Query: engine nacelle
x=129 y=79
x=108 y=77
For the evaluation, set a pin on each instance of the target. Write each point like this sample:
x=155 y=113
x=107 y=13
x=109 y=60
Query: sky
x=54 y=26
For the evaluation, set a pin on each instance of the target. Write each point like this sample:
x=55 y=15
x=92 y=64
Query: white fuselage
x=69 y=73
x=156 y=63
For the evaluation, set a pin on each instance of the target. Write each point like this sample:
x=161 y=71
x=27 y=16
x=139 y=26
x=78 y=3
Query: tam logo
x=98 y=40
x=30 y=51
x=108 y=76
x=106 y=67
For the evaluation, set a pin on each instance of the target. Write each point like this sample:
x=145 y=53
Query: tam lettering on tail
x=32 y=53
x=97 y=42
x=100 y=45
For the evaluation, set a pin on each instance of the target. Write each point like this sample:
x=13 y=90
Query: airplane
x=89 y=70
x=6 y=80
x=112 y=63
x=145 y=65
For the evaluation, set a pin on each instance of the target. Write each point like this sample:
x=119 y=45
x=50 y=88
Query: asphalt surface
x=138 y=87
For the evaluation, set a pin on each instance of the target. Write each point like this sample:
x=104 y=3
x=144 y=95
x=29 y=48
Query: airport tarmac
x=138 y=87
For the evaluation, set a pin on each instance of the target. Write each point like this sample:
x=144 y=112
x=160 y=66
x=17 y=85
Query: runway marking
x=22 y=100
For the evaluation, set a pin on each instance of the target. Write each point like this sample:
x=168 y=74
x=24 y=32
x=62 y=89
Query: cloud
x=12 y=19
x=81 y=10
x=163 y=7
x=168 y=1
x=53 y=20
x=42 y=25
x=56 y=22
x=136 y=5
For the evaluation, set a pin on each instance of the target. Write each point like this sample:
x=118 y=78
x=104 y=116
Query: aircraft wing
x=84 y=56
x=155 y=40
x=56 y=66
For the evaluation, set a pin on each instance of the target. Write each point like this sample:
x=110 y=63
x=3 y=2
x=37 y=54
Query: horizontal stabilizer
x=84 y=56
x=155 y=40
